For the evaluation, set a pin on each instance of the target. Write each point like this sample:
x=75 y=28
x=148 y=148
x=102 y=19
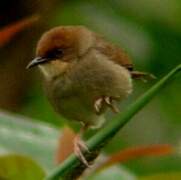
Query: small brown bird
x=84 y=75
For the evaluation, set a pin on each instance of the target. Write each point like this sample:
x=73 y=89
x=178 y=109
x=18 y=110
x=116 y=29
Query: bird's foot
x=79 y=146
x=109 y=101
x=106 y=100
x=98 y=104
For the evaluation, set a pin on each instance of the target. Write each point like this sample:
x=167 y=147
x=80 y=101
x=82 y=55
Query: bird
x=84 y=75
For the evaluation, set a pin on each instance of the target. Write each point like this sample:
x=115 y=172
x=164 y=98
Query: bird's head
x=59 y=47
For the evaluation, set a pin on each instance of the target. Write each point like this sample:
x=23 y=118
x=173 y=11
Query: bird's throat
x=53 y=69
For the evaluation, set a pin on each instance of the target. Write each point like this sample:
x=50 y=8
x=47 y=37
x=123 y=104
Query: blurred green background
x=149 y=30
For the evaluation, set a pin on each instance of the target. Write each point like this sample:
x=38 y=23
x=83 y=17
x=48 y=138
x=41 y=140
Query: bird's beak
x=36 y=61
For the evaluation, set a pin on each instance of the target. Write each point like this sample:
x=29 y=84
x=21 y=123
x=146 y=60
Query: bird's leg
x=79 y=146
x=109 y=101
x=142 y=75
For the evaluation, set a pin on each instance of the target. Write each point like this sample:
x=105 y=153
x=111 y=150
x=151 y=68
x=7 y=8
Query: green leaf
x=113 y=173
x=23 y=136
x=164 y=176
x=16 y=167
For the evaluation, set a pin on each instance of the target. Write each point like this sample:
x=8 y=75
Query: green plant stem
x=73 y=167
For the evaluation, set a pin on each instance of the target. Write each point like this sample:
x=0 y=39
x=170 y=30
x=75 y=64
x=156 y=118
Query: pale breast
x=93 y=77
x=97 y=76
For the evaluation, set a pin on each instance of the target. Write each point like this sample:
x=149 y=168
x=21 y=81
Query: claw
x=114 y=109
x=109 y=102
x=98 y=105
x=80 y=146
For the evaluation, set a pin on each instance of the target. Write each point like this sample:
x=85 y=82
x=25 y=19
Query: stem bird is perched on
x=84 y=74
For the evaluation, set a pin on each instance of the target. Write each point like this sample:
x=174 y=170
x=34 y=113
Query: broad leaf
x=164 y=176
x=113 y=173
x=21 y=135
x=16 y=167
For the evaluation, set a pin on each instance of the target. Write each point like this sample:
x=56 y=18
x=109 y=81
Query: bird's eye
x=55 y=53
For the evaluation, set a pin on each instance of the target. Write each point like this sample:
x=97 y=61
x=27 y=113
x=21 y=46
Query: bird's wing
x=114 y=53
x=120 y=57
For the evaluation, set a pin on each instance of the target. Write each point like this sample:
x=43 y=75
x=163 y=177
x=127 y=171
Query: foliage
x=94 y=144
x=16 y=167
x=151 y=33
x=8 y=32
x=19 y=135
x=69 y=168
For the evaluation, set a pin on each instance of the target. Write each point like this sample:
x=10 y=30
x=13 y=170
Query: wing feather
x=114 y=53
